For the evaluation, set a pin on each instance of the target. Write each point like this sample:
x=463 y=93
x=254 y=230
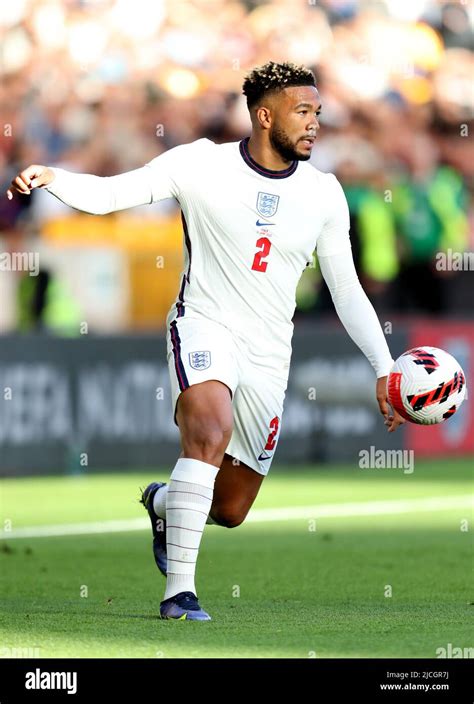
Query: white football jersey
x=249 y=233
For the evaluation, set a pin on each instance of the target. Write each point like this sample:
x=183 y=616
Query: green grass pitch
x=293 y=588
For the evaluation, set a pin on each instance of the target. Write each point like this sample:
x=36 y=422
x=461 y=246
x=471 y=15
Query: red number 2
x=265 y=245
x=274 y=423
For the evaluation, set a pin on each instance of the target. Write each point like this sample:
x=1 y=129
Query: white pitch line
x=262 y=515
x=365 y=508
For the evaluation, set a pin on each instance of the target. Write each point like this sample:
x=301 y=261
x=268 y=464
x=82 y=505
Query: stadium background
x=103 y=87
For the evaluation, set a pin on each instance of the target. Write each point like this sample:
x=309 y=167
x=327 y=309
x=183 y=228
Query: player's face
x=295 y=122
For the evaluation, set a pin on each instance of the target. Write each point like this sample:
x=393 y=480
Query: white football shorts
x=200 y=349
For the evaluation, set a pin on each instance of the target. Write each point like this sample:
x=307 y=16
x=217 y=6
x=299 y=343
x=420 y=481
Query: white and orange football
x=426 y=385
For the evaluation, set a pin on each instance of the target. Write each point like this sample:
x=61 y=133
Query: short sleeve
x=334 y=237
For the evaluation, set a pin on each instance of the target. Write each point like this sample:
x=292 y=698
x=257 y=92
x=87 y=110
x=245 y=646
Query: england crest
x=200 y=360
x=267 y=204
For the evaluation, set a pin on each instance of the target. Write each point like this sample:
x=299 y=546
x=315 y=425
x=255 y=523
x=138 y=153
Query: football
x=426 y=385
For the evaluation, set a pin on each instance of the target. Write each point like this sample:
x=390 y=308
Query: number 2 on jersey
x=265 y=246
x=274 y=424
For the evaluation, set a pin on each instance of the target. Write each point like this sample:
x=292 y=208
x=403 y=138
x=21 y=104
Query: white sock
x=188 y=503
x=159 y=501
x=159 y=504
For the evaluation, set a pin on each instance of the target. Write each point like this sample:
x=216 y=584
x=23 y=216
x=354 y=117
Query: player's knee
x=228 y=517
x=207 y=441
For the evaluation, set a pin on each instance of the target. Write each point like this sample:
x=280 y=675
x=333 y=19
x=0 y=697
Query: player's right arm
x=99 y=195
x=161 y=178
x=91 y=194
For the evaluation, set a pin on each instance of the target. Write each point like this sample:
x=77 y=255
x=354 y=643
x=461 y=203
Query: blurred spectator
x=45 y=305
x=429 y=204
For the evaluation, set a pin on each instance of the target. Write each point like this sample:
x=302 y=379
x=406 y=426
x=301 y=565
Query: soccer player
x=253 y=212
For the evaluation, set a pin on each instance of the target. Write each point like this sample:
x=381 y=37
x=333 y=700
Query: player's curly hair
x=274 y=76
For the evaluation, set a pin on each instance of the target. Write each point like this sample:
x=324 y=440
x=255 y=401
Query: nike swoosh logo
x=266 y=457
x=262 y=224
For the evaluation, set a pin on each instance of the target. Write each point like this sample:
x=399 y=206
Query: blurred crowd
x=102 y=86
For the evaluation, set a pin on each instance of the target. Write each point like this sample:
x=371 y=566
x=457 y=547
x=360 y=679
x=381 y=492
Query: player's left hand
x=392 y=418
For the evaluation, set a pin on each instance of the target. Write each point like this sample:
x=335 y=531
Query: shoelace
x=188 y=599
